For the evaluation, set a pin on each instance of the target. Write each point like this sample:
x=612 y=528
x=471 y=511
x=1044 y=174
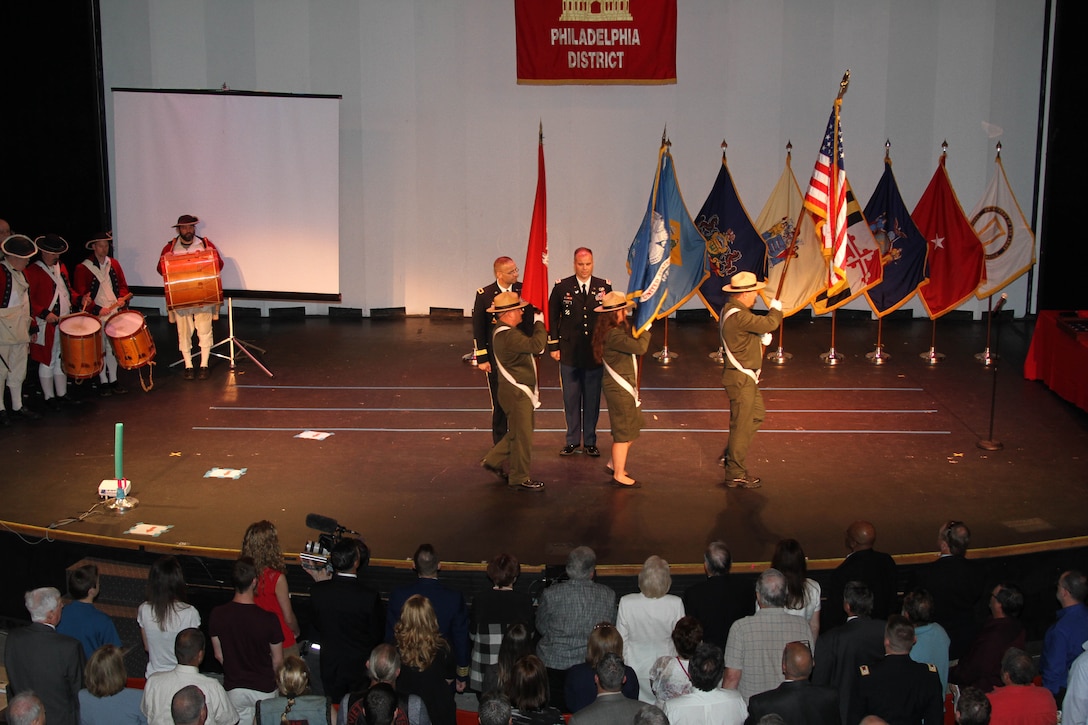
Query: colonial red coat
x=86 y=284
x=42 y=288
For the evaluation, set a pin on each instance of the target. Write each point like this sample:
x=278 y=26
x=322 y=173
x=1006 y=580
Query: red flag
x=534 y=285
x=956 y=256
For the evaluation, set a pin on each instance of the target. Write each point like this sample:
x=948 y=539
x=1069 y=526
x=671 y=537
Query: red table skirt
x=1058 y=359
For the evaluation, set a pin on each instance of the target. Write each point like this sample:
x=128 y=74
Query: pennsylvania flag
x=534 y=288
x=956 y=258
x=667 y=258
x=1004 y=232
x=777 y=224
x=732 y=242
x=902 y=246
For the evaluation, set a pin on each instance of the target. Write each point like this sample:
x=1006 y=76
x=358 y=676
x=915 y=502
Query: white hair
x=40 y=602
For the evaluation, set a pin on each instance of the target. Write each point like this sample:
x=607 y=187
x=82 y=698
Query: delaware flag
x=902 y=246
x=777 y=224
x=534 y=287
x=667 y=258
x=1006 y=237
x=732 y=242
x=956 y=258
x=848 y=244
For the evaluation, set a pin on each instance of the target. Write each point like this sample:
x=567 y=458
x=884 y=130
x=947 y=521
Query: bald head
x=860 y=535
x=796 y=661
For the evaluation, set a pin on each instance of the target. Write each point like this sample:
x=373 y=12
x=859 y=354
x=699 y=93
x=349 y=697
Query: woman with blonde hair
x=579 y=689
x=104 y=699
x=262 y=544
x=292 y=703
x=165 y=613
x=427 y=665
x=646 y=619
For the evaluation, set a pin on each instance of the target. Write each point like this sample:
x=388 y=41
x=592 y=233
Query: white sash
x=753 y=374
x=533 y=394
x=58 y=285
x=622 y=382
x=105 y=296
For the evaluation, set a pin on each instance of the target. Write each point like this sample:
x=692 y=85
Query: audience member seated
x=720 y=600
x=931 y=641
x=494 y=611
x=293 y=702
x=707 y=703
x=841 y=652
x=165 y=613
x=803 y=598
x=669 y=676
x=160 y=687
x=80 y=619
x=580 y=687
x=262 y=544
x=427 y=666
x=104 y=699
x=645 y=621
x=383 y=667
x=528 y=694
x=516 y=644
x=1018 y=701
x=567 y=613
x=981 y=665
x=1062 y=643
x=610 y=706
x=797 y=700
x=897 y=689
x=972 y=707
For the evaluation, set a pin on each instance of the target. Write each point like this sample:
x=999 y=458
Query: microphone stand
x=990 y=444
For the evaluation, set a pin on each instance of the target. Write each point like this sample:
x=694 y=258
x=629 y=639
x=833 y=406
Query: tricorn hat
x=51 y=243
x=744 y=282
x=19 y=245
x=186 y=219
x=506 y=301
x=99 y=237
x=614 y=301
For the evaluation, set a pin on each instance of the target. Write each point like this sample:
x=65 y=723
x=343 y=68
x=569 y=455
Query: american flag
x=826 y=199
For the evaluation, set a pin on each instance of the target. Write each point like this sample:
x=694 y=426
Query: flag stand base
x=831 y=357
x=986 y=357
x=932 y=357
x=990 y=445
x=878 y=356
x=665 y=357
x=717 y=356
x=779 y=356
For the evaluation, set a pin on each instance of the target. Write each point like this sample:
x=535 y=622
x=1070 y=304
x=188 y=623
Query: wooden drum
x=192 y=280
x=130 y=339
x=81 y=349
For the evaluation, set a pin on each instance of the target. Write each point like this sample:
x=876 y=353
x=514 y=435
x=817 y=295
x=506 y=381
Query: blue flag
x=902 y=247
x=667 y=258
x=732 y=242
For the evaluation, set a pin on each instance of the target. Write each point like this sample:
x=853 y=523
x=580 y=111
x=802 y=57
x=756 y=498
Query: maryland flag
x=732 y=243
x=777 y=224
x=956 y=258
x=902 y=246
x=667 y=258
x=534 y=287
x=1004 y=232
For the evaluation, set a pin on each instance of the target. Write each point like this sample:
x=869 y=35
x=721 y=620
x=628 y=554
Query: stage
x=895 y=444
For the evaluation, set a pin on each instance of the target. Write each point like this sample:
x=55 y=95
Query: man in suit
x=956 y=586
x=862 y=564
x=506 y=280
x=898 y=689
x=41 y=659
x=718 y=601
x=797 y=700
x=570 y=342
x=449 y=607
x=349 y=619
x=611 y=706
x=841 y=652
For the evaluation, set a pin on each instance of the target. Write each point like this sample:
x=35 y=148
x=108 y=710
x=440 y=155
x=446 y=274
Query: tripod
x=236 y=345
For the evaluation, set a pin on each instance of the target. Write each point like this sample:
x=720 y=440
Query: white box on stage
x=108 y=487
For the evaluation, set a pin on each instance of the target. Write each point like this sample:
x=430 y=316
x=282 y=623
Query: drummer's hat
x=99 y=237
x=506 y=301
x=743 y=282
x=19 y=245
x=51 y=243
x=186 y=219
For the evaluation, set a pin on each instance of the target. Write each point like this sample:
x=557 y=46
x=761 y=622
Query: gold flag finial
x=998 y=149
x=887 y=149
x=724 y=147
x=664 y=133
x=844 y=83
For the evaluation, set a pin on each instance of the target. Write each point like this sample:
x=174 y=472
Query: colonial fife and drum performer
x=744 y=334
x=617 y=349
x=51 y=298
x=570 y=341
x=506 y=280
x=17 y=327
x=192 y=319
x=100 y=280
x=512 y=354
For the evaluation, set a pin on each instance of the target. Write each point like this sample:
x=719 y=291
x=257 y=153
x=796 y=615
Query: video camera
x=315 y=554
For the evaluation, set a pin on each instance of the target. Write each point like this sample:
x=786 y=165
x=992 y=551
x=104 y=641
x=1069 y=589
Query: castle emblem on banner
x=588 y=11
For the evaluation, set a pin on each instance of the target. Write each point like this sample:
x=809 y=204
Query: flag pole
x=985 y=357
x=931 y=356
x=663 y=355
x=718 y=355
x=878 y=356
x=831 y=357
x=780 y=356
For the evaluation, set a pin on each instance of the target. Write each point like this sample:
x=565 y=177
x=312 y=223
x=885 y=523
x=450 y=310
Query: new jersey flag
x=667 y=258
x=534 y=287
x=902 y=246
x=1006 y=237
x=956 y=258
x=732 y=242
x=777 y=224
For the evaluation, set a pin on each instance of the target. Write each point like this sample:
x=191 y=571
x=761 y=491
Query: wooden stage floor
x=895 y=444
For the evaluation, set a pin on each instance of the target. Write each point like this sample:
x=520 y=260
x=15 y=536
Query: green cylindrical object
x=118 y=440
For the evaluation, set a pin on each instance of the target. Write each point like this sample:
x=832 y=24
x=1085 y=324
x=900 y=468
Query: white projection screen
x=261 y=171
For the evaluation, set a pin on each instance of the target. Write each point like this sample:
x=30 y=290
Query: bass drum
x=81 y=349
x=130 y=339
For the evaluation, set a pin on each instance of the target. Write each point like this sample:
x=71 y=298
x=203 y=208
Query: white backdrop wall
x=438 y=142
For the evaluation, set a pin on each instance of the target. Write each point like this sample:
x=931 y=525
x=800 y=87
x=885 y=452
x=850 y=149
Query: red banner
x=596 y=41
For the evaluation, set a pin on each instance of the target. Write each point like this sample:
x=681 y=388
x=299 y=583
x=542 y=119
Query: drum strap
x=61 y=302
x=105 y=296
